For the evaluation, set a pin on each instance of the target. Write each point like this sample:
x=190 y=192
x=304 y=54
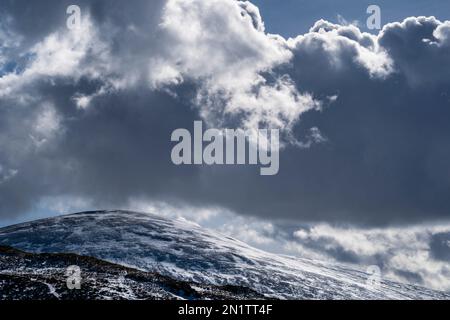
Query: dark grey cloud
x=410 y=276
x=381 y=102
x=387 y=137
x=440 y=246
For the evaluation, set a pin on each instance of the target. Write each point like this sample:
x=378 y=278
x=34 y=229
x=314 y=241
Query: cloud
x=88 y=114
x=440 y=246
x=414 y=254
x=418 y=46
x=232 y=83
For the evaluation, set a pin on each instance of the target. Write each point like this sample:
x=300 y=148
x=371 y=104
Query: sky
x=86 y=116
x=292 y=17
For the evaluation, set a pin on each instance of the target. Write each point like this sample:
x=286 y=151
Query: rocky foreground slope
x=25 y=276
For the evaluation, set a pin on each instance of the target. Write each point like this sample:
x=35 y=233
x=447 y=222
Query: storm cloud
x=88 y=113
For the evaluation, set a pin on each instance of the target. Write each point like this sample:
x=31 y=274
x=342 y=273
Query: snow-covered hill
x=185 y=251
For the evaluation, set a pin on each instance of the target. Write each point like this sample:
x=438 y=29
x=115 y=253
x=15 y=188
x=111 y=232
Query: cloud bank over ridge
x=88 y=113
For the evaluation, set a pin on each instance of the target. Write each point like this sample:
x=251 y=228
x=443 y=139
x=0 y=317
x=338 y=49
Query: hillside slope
x=186 y=252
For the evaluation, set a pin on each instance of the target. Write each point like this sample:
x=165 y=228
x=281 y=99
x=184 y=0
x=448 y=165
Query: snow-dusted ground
x=187 y=252
x=42 y=276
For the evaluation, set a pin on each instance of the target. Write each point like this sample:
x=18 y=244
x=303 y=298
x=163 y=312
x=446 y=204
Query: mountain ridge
x=186 y=252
